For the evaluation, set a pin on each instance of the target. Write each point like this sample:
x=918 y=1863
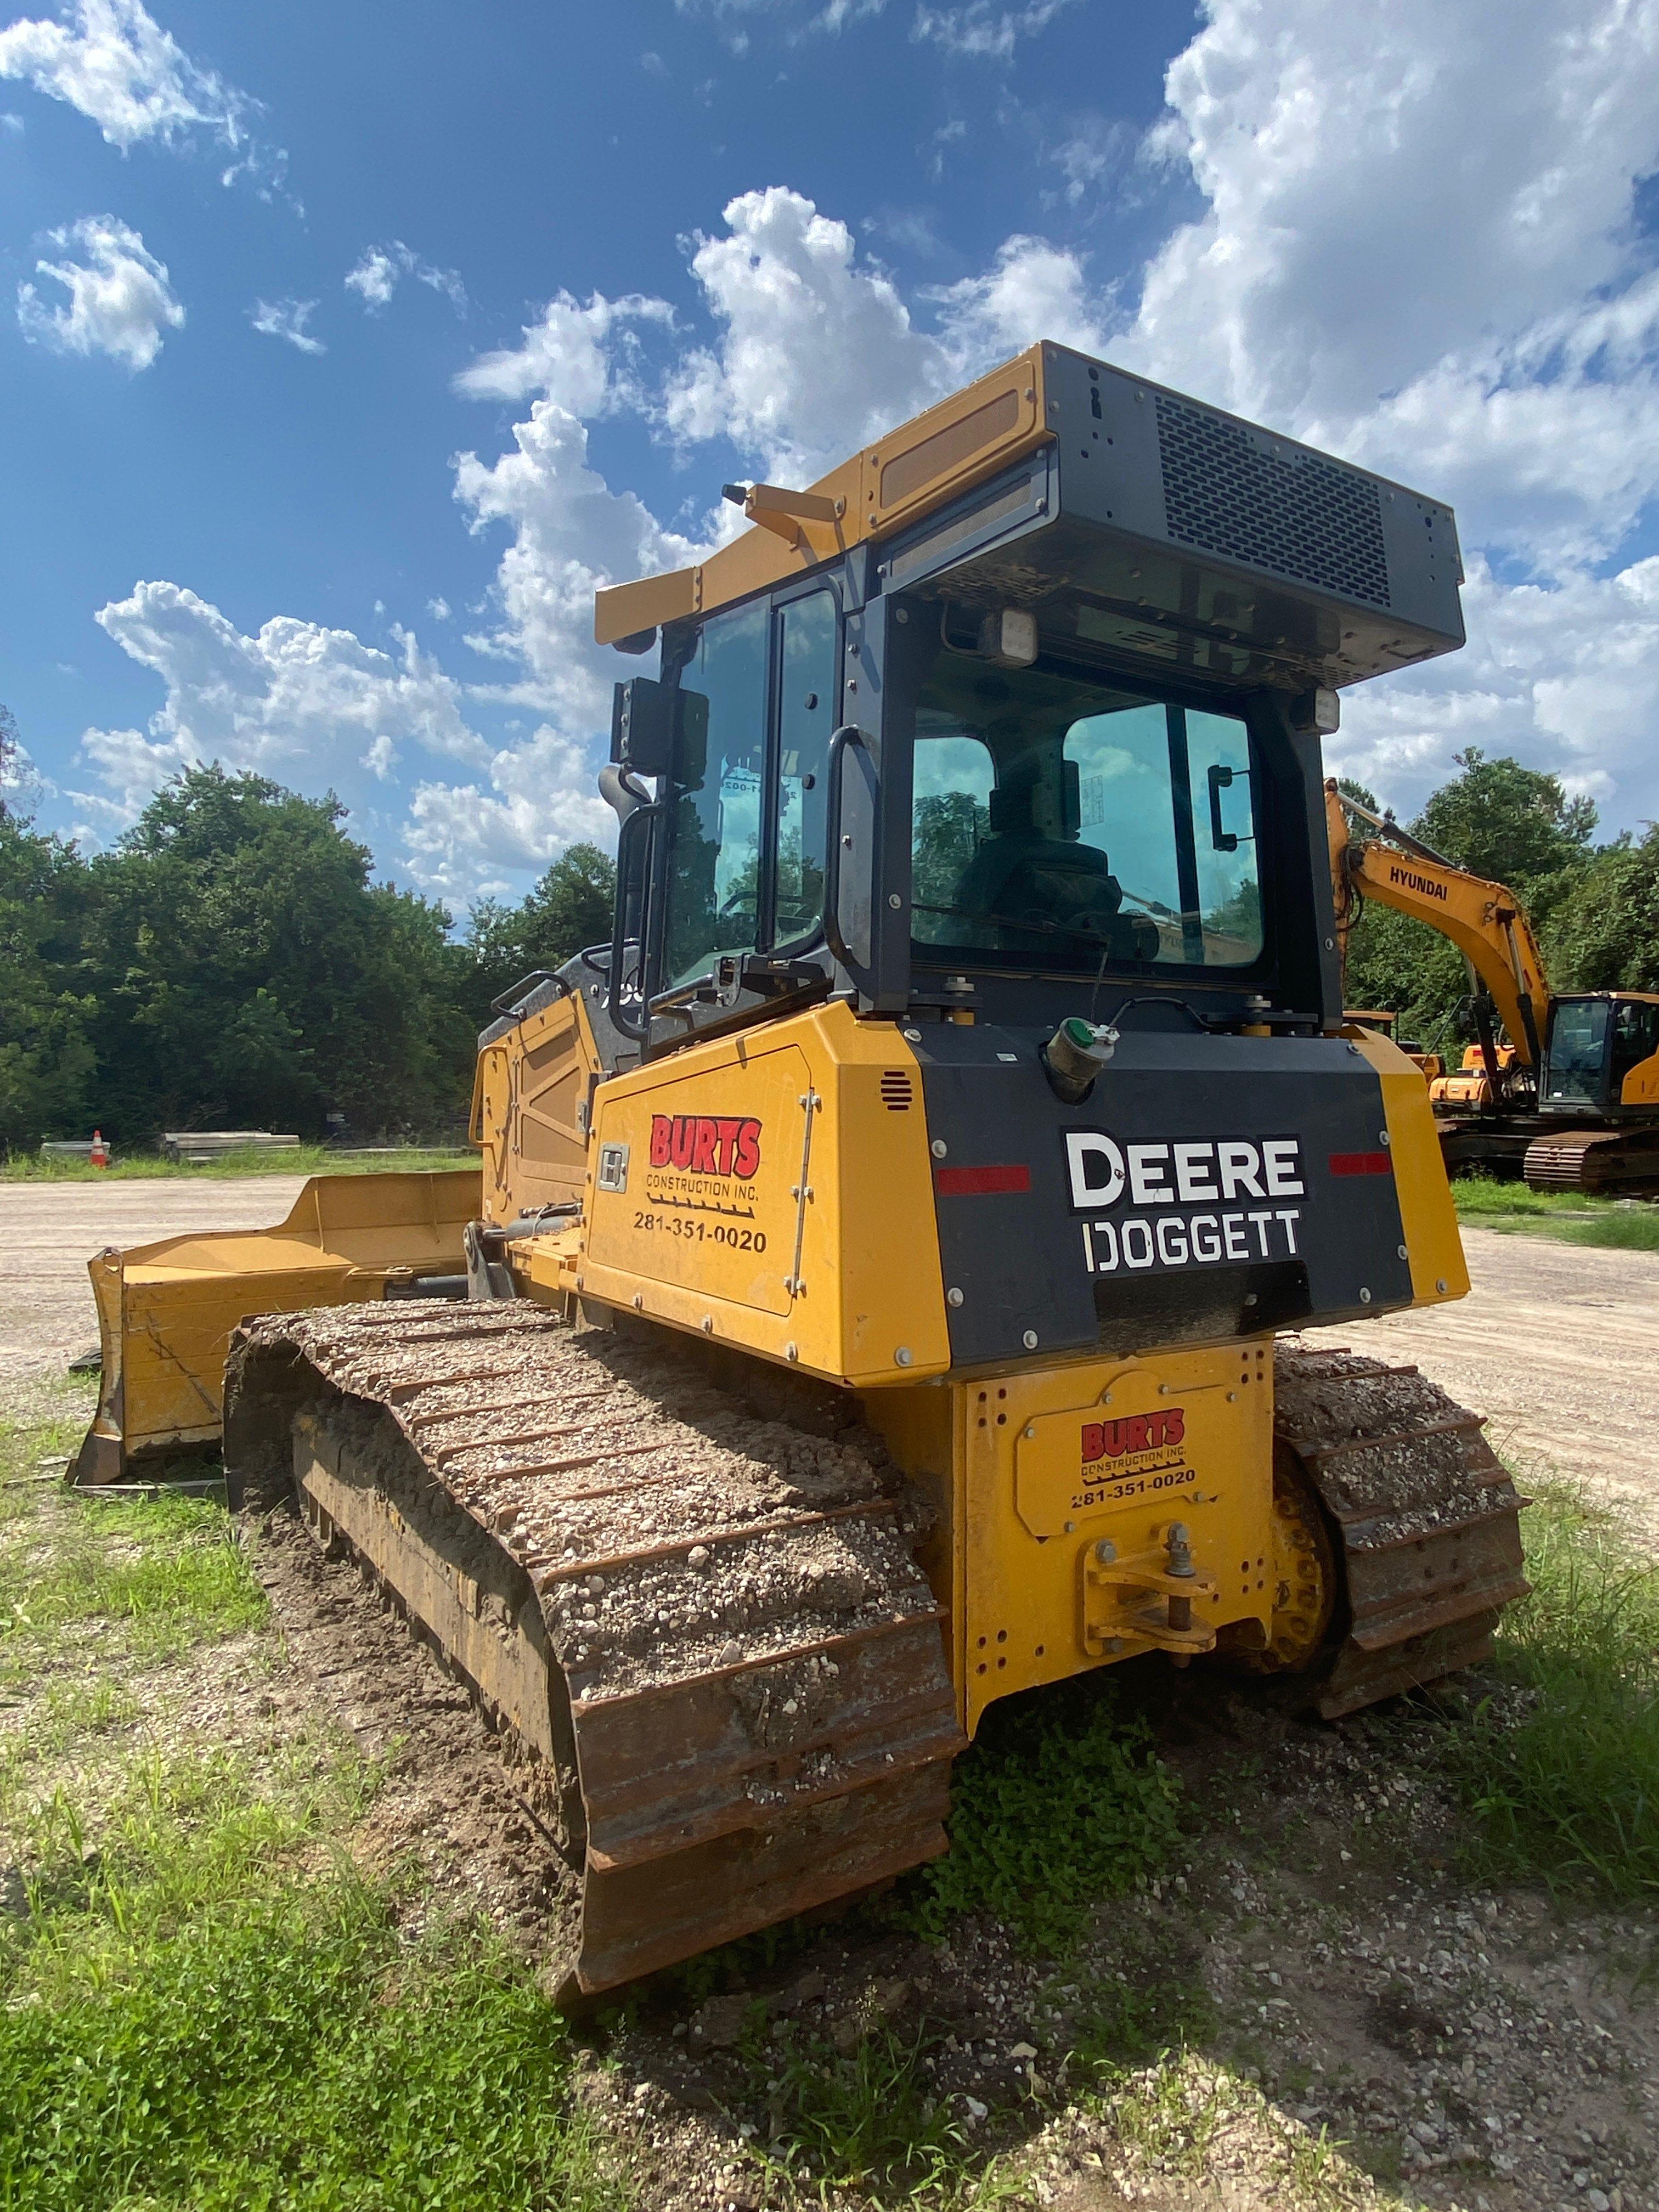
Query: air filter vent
x=1295 y=514
x=895 y=1093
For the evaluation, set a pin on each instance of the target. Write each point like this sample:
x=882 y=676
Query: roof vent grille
x=1228 y=490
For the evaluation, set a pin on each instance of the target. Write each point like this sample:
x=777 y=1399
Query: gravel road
x=1558 y=1344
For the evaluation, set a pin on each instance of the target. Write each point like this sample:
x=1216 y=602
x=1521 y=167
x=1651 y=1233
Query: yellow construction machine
x=877 y=1301
x=1560 y=1087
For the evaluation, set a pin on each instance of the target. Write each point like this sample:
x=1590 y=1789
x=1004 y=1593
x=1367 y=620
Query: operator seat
x=1021 y=875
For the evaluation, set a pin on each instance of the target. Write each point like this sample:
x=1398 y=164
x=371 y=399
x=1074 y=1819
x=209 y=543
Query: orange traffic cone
x=99 y=1153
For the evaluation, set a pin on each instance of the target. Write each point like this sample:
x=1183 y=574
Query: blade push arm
x=1485 y=920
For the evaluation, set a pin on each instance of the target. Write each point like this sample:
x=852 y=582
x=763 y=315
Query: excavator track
x=1423 y=1514
x=704 y=1629
x=1592 y=1160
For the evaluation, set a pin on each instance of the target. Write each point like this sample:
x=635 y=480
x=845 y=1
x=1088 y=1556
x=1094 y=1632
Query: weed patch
x=1060 y=1804
x=1563 y=1767
x=869 y=2120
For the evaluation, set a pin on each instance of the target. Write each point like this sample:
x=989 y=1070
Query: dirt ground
x=1558 y=1344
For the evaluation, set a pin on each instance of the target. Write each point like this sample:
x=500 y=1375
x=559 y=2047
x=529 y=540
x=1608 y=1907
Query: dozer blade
x=166 y=1311
x=1424 y=1513
x=707 y=1631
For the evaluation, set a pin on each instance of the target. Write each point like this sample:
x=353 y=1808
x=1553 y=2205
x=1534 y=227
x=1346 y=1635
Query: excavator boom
x=1485 y=920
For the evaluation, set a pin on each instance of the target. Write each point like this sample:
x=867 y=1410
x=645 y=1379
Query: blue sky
x=347 y=531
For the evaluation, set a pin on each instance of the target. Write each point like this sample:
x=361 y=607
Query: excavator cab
x=1601 y=1055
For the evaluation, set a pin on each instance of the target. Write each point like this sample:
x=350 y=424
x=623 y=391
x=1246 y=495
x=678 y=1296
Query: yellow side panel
x=1641 y=1086
x=529 y=1100
x=761 y=1189
x=1427 y=1214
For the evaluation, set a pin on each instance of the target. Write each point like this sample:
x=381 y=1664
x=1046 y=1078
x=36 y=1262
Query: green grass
x=870 y=2120
x=169 y=1570
x=1566 y=1790
x=246 y=1160
x=1060 y=1806
x=1485 y=1202
x=203 y=2002
x=199 y=2010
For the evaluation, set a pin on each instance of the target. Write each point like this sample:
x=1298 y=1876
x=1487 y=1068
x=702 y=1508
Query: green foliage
x=869 y=2120
x=257 y=978
x=232 y=964
x=202 y=2004
x=1515 y=825
x=1563 y=1770
x=187 y=2018
x=1059 y=1805
x=241 y=1160
x=1607 y=937
x=1486 y=1203
x=168 y=1570
x=569 y=908
x=47 y=1011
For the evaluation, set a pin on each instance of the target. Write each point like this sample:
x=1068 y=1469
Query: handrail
x=627 y=837
x=841 y=744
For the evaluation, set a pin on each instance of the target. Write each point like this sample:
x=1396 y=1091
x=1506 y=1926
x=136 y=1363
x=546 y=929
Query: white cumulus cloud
x=113 y=61
x=287 y=319
x=982 y=30
x=462 y=841
x=281 y=702
x=1408 y=218
x=121 y=302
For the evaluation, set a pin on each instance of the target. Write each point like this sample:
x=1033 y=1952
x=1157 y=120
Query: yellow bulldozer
x=877 y=1299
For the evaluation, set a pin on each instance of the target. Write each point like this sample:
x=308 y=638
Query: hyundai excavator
x=1562 y=1088
x=884 y=1291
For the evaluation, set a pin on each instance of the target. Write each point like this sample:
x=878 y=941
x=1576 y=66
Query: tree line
x=231 y=963
x=1595 y=907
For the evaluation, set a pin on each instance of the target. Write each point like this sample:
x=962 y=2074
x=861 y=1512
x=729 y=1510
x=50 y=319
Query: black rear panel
x=1210 y=1187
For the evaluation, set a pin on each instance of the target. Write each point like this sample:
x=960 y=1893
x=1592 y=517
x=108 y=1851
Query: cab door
x=744 y=809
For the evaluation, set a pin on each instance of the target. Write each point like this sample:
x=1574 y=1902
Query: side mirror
x=645 y=718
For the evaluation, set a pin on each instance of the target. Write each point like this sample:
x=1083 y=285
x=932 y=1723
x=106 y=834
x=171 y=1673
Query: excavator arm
x=1485 y=920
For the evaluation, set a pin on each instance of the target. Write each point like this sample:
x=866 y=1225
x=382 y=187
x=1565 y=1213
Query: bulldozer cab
x=1063 y=731
x=1601 y=1055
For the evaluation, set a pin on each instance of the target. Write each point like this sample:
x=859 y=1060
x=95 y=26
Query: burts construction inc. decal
x=1136 y=1432
x=701 y=1164
x=1123 y=1458
x=706 y=1144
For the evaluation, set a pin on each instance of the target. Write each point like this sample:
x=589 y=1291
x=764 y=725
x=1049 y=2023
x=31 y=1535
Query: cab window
x=807 y=717
x=746 y=863
x=714 y=866
x=1066 y=823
